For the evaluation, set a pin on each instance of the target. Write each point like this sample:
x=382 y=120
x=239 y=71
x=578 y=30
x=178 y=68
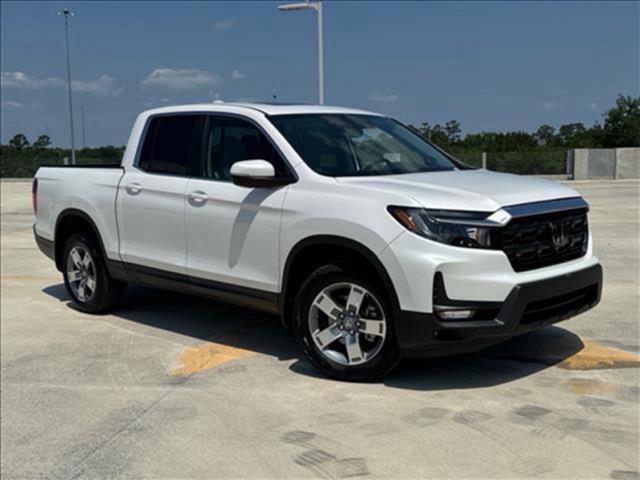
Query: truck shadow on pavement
x=510 y=360
x=176 y=314
x=505 y=362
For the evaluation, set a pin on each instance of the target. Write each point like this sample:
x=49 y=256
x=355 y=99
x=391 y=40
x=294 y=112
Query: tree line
x=546 y=146
x=620 y=128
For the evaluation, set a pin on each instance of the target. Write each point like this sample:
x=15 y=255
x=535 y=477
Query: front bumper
x=528 y=306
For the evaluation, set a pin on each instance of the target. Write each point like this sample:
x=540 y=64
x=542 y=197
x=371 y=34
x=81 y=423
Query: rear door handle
x=133 y=188
x=197 y=198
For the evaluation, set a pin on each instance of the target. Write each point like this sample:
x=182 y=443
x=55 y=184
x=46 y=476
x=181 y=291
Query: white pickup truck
x=370 y=242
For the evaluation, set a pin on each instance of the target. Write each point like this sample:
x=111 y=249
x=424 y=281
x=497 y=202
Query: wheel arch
x=70 y=221
x=311 y=252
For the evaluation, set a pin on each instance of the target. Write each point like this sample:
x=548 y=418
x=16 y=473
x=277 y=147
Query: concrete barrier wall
x=627 y=163
x=601 y=163
x=605 y=163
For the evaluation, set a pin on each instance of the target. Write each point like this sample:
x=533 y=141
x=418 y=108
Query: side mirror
x=255 y=174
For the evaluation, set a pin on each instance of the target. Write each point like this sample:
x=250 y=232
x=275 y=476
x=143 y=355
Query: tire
x=329 y=341
x=86 y=278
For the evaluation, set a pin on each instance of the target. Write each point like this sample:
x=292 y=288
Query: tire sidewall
x=384 y=360
x=79 y=240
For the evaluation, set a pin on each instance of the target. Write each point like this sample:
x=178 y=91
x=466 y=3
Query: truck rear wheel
x=86 y=278
x=344 y=326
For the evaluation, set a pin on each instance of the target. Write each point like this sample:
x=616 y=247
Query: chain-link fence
x=27 y=167
x=551 y=163
x=24 y=163
x=548 y=162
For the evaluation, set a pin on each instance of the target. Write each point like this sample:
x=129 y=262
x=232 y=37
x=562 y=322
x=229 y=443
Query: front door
x=233 y=232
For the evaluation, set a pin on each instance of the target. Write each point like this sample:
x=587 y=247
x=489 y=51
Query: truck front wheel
x=86 y=278
x=344 y=326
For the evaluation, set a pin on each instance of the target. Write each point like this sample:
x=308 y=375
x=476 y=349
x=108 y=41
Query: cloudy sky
x=490 y=65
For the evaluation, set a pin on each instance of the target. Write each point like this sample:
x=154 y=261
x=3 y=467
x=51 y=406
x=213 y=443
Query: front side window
x=229 y=140
x=340 y=145
x=171 y=143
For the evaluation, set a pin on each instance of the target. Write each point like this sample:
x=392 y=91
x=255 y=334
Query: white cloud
x=104 y=85
x=224 y=24
x=22 y=80
x=377 y=97
x=548 y=106
x=10 y=104
x=237 y=75
x=181 y=79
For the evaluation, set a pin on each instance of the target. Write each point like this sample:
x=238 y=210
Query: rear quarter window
x=170 y=143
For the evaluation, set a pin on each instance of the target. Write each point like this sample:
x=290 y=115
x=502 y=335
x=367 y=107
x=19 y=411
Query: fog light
x=455 y=314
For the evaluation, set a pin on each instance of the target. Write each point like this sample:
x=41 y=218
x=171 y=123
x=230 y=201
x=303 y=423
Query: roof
x=293 y=108
x=266 y=108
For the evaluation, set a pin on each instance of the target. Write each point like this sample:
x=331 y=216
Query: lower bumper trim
x=528 y=306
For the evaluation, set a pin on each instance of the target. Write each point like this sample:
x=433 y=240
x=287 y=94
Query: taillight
x=34 y=195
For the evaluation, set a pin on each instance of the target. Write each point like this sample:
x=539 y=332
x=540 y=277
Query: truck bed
x=88 y=165
x=92 y=189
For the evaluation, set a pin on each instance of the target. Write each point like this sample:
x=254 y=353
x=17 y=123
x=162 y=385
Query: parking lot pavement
x=172 y=386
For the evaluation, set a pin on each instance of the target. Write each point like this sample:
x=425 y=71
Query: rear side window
x=172 y=143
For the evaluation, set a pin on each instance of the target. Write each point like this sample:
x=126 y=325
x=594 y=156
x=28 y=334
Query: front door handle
x=133 y=188
x=197 y=198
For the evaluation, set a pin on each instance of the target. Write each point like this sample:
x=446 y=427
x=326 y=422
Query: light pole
x=67 y=13
x=84 y=144
x=317 y=6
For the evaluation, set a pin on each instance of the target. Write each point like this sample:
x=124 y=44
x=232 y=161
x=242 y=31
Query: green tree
x=452 y=129
x=622 y=123
x=546 y=134
x=19 y=141
x=43 y=141
x=443 y=136
x=570 y=131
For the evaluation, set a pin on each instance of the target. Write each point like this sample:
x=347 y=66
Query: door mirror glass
x=254 y=174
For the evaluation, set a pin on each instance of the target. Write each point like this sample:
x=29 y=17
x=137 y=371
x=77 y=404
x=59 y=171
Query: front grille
x=559 y=306
x=548 y=239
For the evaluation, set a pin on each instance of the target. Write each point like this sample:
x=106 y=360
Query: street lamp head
x=288 y=7
x=66 y=12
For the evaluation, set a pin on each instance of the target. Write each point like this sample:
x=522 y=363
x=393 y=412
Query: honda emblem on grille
x=559 y=237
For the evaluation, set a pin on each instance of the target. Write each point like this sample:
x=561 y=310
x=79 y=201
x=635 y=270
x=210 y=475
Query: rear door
x=151 y=198
x=233 y=232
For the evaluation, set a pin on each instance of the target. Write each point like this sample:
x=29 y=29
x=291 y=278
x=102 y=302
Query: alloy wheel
x=347 y=324
x=81 y=273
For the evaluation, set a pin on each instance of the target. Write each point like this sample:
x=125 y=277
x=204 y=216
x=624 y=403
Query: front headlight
x=461 y=229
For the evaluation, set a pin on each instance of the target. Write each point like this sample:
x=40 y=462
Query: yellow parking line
x=597 y=356
x=206 y=356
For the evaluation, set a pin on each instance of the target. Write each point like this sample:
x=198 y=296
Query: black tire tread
x=365 y=373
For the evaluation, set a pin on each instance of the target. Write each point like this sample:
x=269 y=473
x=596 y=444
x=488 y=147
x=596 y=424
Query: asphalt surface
x=173 y=386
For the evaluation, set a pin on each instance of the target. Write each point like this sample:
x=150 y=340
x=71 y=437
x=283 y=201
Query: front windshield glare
x=339 y=145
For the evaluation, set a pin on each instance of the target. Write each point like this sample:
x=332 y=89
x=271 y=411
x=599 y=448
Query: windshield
x=339 y=145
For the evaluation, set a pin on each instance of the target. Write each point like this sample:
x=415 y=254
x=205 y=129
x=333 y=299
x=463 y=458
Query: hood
x=471 y=190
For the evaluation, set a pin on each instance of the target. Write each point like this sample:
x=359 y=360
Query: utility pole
x=84 y=143
x=317 y=6
x=67 y=13
x=320 y=55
